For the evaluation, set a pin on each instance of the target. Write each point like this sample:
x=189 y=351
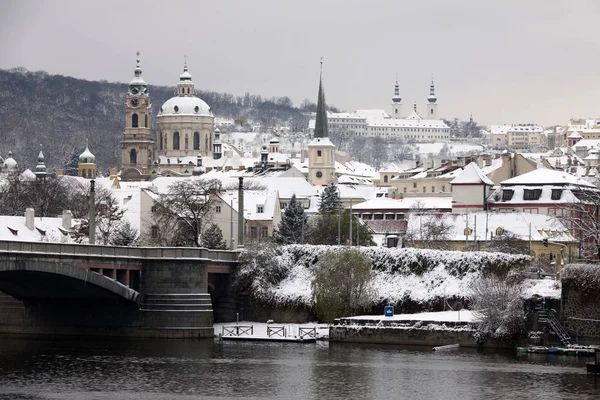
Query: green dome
x=87 y=157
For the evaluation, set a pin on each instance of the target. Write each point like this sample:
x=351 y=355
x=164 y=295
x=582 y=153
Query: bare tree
x=182 y=211
x=507 y=242
x=582 y=217
x=108 y=217
x=431 y=230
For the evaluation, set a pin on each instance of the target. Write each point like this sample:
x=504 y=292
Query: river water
x=153 y=369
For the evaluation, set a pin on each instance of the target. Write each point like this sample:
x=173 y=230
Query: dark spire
x=321 y=130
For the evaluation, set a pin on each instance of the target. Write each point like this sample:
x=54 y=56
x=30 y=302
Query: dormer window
x=176 y=109
x=531 y=194
x=556 y=194
x=319 y=153
x=196 y=109
x=507 y=194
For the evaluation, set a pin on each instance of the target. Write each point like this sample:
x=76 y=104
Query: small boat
x=522 y=349
x=553 y=350
x=538 y=349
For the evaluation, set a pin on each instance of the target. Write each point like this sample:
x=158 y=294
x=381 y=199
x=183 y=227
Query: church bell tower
x=137 y=145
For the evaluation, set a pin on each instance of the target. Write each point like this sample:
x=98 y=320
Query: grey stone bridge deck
x=108 y=290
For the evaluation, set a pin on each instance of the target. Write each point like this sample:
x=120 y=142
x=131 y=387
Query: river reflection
x=149 y=369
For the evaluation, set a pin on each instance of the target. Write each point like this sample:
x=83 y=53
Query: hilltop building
x=377 y=123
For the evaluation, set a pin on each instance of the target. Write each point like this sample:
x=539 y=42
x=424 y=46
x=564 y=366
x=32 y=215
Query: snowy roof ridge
x=471 y=175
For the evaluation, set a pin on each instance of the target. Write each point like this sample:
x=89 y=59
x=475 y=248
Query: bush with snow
x=584 y=277
x=282 y=275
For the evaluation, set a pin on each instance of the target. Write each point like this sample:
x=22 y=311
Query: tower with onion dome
x=40 y=168
x=87 y=164
x=431 y=102
x=137 y=144
x=396 y=101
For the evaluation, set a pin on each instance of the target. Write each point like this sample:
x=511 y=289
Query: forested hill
x=60 y=112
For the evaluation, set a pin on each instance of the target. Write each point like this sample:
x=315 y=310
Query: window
x=507 y=194
x=405 y=189
x=432 y=189
x=154 y=231
x=531 y=194
x=318 y=153
x=146 y=121
x=260 y=209
x=424 y=189
x=134 y=120
x=133 y=157
x=390 y=216
x=443 y=188
x=153 y=209
x=414 y=185
x=218 y=209
x=196 y=141
x=319 y=174
x=385 y=179
x=206 y=143
x=185 y=146
x=176 y=141
x=160 y=141
x=253 y=232
x=556 y=194
x=264 y=232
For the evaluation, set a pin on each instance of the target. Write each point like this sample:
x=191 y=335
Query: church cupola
x=396 y=101
x=137 y=86
x=432 y=98
x=432 y=102
x=10 y=165
x=185 y=86
x=40 y=168
x=87 y=164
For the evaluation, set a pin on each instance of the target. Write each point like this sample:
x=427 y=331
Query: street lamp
x=339 y=216
x=466 y=222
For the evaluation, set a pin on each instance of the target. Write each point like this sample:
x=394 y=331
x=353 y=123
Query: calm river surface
x=148 y=369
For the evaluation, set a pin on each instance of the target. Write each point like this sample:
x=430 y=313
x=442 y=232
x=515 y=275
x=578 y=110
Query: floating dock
x=579 y=351
x=275 y=333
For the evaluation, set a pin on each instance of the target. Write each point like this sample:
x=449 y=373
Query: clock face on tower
x=134 y=102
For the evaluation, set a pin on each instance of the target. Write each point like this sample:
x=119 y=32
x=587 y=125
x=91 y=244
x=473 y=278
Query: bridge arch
x=29 y=279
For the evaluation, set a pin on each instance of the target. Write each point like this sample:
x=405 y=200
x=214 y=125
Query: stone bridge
x=59 y=288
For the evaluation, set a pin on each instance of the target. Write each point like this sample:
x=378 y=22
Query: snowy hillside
x=283 y=275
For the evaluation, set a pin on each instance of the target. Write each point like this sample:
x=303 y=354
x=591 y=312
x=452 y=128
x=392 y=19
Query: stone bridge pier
x=63 y=289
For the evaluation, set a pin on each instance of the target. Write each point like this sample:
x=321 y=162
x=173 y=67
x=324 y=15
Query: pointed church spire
x=40 y=168
x=321 y=129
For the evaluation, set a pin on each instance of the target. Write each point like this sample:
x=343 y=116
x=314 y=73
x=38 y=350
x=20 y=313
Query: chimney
x=199 y=160
x=240 y=242
x=66 y=219
x=113 y=173
x=30 y=218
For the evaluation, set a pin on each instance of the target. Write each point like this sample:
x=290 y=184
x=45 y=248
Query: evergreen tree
x=292 y=226
x=324 y=230
x=126 y=235
x=330 y=200
x=213 y=238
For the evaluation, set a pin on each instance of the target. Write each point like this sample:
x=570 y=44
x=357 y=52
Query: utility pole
x=231 y=224
x=92 y=213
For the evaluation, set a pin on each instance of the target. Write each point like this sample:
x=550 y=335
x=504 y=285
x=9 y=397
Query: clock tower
x=137 y=145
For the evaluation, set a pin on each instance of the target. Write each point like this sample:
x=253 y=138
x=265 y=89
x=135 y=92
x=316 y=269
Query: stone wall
x=580 y=311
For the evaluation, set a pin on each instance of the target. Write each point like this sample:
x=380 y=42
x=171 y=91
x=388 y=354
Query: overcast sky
x=503 y=61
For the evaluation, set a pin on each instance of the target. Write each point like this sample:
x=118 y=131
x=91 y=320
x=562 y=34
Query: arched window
x=206 y=143
x=146 y=121
x=188 y=90
x=185 y=146
x=133 y=157
x=385 y=179
x=134 y=120
x=176 y=141
x=196 y=141
x=90 y=173
x=165 y=141
x=160 y=141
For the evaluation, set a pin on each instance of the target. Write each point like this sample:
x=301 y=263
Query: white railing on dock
x=307 y=332
x=274 y=331
x=237 y=330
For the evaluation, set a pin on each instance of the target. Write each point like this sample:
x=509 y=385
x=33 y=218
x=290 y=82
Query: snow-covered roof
x=184 y=105
x=267 y=202
x=542 y=226
x=405 y=204
x=321 y=142
x=46 y=229
x=471 y=175
x=544 y=176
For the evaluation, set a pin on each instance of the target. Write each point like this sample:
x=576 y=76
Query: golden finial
x=185 y=61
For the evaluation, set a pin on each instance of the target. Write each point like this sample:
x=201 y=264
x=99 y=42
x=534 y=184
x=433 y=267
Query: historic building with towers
x=185 y=131
x=378 y=123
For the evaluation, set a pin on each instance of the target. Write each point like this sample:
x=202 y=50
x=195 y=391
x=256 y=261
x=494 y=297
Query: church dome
x=274 y=141
x=10 y=163
x=87 y=157
x=184 y=105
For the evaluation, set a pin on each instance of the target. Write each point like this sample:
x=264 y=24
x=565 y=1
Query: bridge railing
x=117 y=251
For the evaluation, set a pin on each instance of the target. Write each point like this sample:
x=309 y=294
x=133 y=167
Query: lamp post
x=339 y=216
x=466 y=222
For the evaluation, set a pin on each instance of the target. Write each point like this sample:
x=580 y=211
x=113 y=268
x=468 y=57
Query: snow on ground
x=440 y=316
x=260 y=328
x=542 y=288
